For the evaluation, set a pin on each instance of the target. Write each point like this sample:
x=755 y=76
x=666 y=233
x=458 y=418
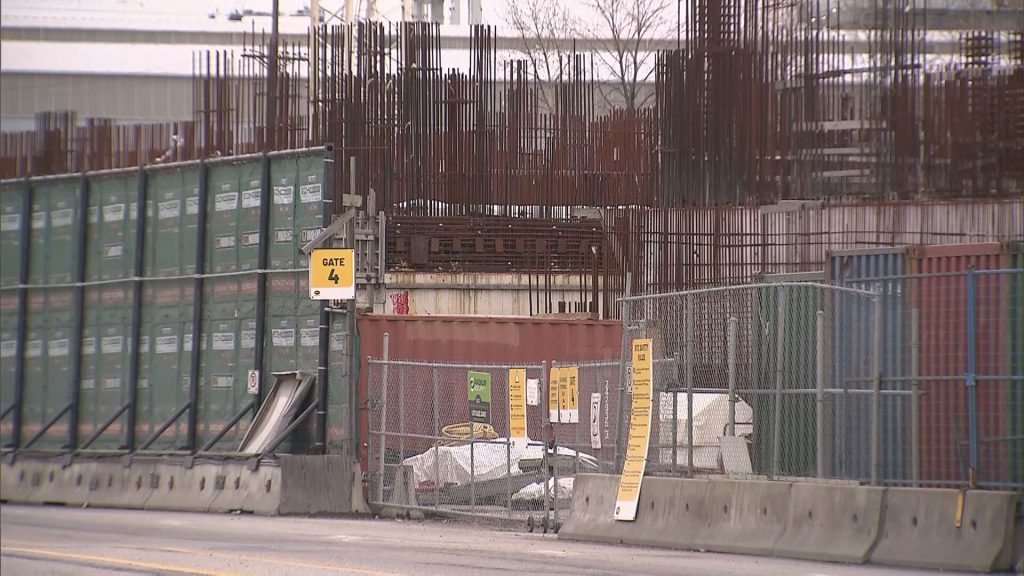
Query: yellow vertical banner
x=517 y=403
x=639 y=433
x=563 y=394
x=571 y=412
x=553 y=393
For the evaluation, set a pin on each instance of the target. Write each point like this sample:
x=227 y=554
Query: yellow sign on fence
x=332 y=274
x=517 y=403
x=564 y=395
x=639 y=433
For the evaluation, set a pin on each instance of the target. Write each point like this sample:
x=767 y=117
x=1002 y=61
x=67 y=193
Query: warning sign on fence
x=639 y=433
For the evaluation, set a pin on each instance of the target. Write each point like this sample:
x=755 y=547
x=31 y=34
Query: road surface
x=86 y=542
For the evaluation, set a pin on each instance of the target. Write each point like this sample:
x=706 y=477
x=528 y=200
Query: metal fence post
x=624 y=358
x=780 y=346
x=688 y=329
x=972 y=383
x=437 y=432
x=383 y=420
x=820 y=380
x=876 y=389
x=915 y=397
x=734 y=325
x=544 y=439
x=401 y=420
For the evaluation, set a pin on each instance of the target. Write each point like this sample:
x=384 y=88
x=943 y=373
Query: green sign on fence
x=479 y=397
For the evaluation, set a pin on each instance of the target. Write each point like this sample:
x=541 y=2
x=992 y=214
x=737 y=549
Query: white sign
x=533 y=391
x=252 y=383
x=595 y=420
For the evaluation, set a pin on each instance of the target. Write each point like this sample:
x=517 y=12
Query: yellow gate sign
x=517 y=403
x=639 y=433
x=332 y=274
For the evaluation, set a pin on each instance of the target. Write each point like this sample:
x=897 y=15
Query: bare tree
x=624 y=29
x=618 y=32
x=545 y=29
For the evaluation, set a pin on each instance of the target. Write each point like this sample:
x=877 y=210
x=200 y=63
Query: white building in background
x=132 y=60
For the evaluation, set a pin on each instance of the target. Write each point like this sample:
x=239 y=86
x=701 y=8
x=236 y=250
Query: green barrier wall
x=103 y=353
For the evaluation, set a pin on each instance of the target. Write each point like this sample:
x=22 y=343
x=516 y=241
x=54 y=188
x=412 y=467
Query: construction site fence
x=136 y=304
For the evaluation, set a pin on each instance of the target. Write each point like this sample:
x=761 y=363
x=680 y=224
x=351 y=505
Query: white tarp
x=535 y=491
x=710 y=420
x=448 y=465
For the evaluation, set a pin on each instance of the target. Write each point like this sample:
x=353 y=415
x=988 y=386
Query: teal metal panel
x=46 y=384
x=8 y=348
x=219 y=387
x=222 y=220
x=284 y=248
x=11 y=198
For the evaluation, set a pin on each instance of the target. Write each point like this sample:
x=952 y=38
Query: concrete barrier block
x=745 y=516
x=919 y=529
x=833 y=523
x=590 y=516
x=671 y=512
x=315 y=484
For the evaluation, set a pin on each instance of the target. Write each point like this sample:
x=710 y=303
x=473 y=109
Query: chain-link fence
x=776 y=380
x=903 y=380
x=895 y=380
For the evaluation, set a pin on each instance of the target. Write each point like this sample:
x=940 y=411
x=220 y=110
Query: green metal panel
x=221 y=294
x=89 y=409
x=11 y=198
x=160 y=393
x=1015 y=365
x=338 y=407
x=8 y=348
x=112 y=379
x=797 y=424
x=220 y=382
x=46 y=384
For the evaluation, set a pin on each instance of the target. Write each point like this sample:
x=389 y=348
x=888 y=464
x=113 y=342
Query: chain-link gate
x=776 y=380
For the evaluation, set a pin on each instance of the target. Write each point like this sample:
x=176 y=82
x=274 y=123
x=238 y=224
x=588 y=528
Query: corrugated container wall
x=940 y=294
x=880 y=270
x=481 y=340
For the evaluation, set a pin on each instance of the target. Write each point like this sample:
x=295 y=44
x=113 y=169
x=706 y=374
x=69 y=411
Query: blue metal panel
x=880 y=270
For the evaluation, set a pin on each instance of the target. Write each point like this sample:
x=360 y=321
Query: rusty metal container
x=953 y=320
x=481 y=340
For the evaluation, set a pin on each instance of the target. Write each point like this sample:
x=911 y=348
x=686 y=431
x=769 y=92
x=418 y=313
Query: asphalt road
x=74 y=541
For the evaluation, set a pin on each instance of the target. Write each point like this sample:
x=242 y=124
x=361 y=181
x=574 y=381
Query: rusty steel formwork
x=763 y=102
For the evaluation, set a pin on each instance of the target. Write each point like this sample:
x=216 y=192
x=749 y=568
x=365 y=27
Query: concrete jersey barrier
x=830 y=522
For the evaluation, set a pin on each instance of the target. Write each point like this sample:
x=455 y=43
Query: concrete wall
x=290 y=485
x=833 y=522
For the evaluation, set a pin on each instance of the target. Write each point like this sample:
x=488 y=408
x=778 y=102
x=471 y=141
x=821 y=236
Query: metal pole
x=554 y=442
x=78 y=328
x=972 y=384
x=197 y=306
x=350 y=307
x=472 y=467
x=780 y=345
x=326 y=318
x=401 y=415
x=734 y=325
x=25 y=238
x=383 y=419
x=624 y=358
x=820 y=396
x=688 y=362
x=437 y=432
x=131 y=413
x=545 y=406
x=876 y=397
x=915 y=397
x=259 y=346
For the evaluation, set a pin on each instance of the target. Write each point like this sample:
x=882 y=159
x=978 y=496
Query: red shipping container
x=480 y=340
x=942 y=304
